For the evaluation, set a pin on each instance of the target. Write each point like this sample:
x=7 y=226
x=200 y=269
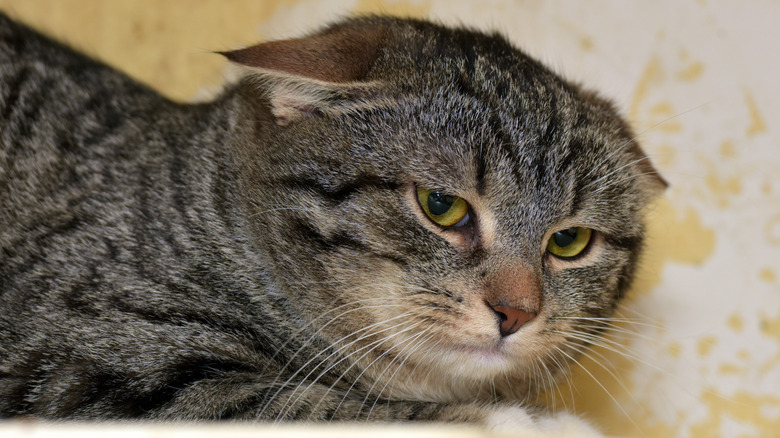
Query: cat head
x=443 y=209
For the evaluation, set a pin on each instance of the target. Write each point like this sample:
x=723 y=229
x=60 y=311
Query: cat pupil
x=439 y=203
x=566 y=237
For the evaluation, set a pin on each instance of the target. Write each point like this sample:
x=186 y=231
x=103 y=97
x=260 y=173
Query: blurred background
x=697 y=350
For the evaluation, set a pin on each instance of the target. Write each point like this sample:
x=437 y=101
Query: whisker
x=362 y=372
x=606 y=319
x=296 y=373
x=419 y=362
x=612 y=172
x=375 y=344
x=564 y=370
x=400 y=365
x=303 y=328
x=645 y=131
x=316 y=334
x=614 y=183
x=617 y=331
x=587 y=353
x=614 y=400
x=606 y=343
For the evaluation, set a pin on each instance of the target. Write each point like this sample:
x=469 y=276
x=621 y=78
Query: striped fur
x=262 y=256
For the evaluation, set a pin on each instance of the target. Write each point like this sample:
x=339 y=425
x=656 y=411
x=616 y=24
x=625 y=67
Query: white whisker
x=400 y=365
x=612 y=172
x=290 y=379
x=374 y=345
x=572 y=359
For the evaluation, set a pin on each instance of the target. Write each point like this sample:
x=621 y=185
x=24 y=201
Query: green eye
x=445 y=210
x=569 y=243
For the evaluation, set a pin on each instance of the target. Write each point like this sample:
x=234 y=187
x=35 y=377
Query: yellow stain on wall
x=705 y=345
x=674 y=349
x=727 y=149
x=662 y=109
x=735 y=322
x=691 y=73
x=664 y=155
x=651 y=76
x=730 y=368
x=757 y=123
x=665 y=112
x=768 y=275
x=586 y=44
x=772 y=230
x=770 y=326
x=746 y=408
x=724 y=188
x=672 y=237
x=769 y=365
x=721 y=186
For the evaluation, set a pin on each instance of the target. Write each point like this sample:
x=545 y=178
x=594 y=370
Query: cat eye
x=443 y=209
x=569 y=243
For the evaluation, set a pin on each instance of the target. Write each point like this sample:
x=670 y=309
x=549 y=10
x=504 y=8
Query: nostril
x=511 y=319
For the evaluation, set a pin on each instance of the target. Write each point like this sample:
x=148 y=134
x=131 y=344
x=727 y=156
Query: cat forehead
x=468 y=79
x=431 y=49
x=544 y=130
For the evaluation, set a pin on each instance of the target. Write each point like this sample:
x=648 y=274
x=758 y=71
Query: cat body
x=277 y=254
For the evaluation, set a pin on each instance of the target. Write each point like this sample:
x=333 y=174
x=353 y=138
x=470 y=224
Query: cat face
x=453 y=217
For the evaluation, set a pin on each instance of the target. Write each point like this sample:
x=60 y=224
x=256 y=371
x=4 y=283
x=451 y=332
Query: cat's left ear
x=654 y=181
x=321 y=74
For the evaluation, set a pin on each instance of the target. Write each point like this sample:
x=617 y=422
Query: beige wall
x=700 y=81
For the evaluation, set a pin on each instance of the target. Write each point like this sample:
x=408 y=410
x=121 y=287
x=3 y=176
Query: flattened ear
x=320 y=74
x=656 y=183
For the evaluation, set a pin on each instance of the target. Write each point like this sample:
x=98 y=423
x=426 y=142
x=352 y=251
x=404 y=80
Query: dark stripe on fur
x=14 y=84
x=344 y=191
x=337 y=241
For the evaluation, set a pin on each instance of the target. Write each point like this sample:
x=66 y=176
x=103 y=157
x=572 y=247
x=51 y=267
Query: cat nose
x=511 y=319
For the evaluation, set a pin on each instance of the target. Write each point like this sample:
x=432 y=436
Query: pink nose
x=511 y=319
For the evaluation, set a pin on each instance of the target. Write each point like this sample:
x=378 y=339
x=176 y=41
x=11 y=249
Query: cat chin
x=466 y=373
x=463 y=382
x=482 y=364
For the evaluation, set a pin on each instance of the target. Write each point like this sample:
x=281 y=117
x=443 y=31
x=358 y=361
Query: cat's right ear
x=321 y=74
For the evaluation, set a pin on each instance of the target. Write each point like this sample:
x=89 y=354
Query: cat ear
x=319 y=74
x=656 y=183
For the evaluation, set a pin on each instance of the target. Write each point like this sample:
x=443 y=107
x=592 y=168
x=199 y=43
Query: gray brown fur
x=230 y=259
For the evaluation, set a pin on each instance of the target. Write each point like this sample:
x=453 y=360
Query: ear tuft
x=293 y=99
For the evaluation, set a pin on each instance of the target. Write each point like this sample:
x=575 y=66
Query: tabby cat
x=387 y=220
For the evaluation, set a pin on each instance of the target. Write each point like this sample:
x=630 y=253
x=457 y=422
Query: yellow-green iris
x=443 y=209
x=570 y=242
